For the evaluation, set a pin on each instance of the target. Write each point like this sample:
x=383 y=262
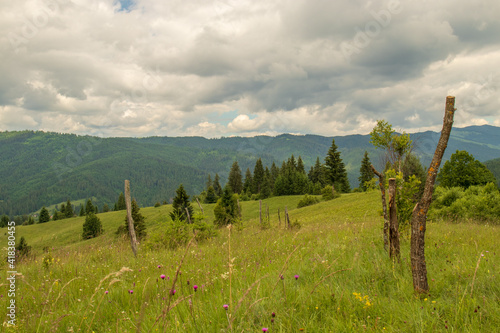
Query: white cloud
x=227 y=67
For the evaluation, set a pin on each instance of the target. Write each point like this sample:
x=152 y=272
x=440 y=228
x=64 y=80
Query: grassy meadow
x=331 y=275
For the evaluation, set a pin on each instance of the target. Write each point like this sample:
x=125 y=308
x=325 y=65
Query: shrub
x=157 y=204
x=307 y=200
x=92 y=226
x=23 y=249
x=328 y=193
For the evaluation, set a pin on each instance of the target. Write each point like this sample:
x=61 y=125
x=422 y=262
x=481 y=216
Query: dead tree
x=381 y=183
x=199 y=204
x=131 y=229
x=393 y=219
x=419 y=215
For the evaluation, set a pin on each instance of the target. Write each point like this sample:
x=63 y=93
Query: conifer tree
x=300 y=166
x=22 y=248
x=139 y=223
x=44 y=215
x=4 y=221
x=181 y=202
x=211 y=197
x=266 y=185
x=89 y=207
x=209 y=182
x=92 y=227
x=335 y=168
x=121 y=204
x=105 y=208
x=82 y=210
x=226 y=210
x=365 y=172
x=248 y=184
x=69 y=212
x=235 y=180
x=258 y=176
x=217 y=187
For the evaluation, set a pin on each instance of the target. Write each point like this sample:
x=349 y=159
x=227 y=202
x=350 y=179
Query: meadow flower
x=273 y=314
x=162 y=276
x=106 y=292
x=173 y=291
x=195 y=287
x=264 y=329
x=159 y=266
x=225 y=306
x=130 y=291
x=296 y=277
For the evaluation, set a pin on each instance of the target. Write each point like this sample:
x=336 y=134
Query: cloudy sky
x=223 y=68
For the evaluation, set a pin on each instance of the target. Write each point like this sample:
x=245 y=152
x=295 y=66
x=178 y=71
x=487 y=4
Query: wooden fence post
x=131 y=230
x=201 y=208
x=279 y=218
x=393 y=218
x=381 y=183
x=419 y=215
x=188 y=216
x=260 y=212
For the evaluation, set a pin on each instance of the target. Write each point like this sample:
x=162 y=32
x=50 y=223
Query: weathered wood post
x=279 y=218
x=188 y=216
x=199 y=205
x=393 y=218
x=131 y=229
x=260 y=212
x=419 y=215
x=381 y=184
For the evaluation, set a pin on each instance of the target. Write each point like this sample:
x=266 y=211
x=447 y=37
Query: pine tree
x=209 y=182
x=211 y=197
x=258 y=176
x=266 y=185
x=69 y=212
x=105 y=208
x=139 y=223
x=23 y=249
x=44 y=215
x=4 y=221
x=226 y=210
x=121 y=204
x=235 y=180
x=335 y=168
x=82 y=210
x=181 y=202
x=217 y=187
x=300 y=166
x=248 y=184
x=365 y=172
x=92 y=227
x=89 y=207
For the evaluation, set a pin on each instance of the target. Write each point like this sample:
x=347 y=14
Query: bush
x=23 y=249
x=307 y=200
x=328 y=193
x=92 y=226
x=157 y=204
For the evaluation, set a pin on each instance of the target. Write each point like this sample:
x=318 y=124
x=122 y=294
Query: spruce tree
x=92 y=227
x=121 y=204
x=22 y=248
x=4 y=221
x=211 y=197
x=217 y=187
x=89 y=207
x=44 y=215
x=258 y=176
x=248 y=184
x=365 y=172
x=105 y=208
x=69 y=212
x=209 y=182
x=82 y=210
x=235 y=180
x=181 y=202
x=300 y=166
x=335 y=169
x=139 y=223
x=226 y=210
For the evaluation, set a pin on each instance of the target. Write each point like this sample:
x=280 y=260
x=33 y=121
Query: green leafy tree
x=181 y=202
x=211 y=197
x=463 y=170
x=121 y=204
x=69 y=212
x=396 y=146
x=92 y=227
x=226 y=210
x=365 y=171
x=335 y=169
x=57 y=215
x=139 y=221
x=235 y=180
x=258 y=176
x=44 y=215
x=4 y=221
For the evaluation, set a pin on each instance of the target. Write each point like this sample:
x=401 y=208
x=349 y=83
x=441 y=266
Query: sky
x=244 y=68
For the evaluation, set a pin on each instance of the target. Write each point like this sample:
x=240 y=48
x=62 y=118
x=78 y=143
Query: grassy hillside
x=344 y=281
x=38 y=168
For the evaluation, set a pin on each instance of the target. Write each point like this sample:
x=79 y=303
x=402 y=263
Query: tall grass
x=331 y=275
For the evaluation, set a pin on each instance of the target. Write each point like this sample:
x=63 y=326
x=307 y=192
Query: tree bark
x=381 y=183
x=419 y=215
x=393 y=219
x=131 y=229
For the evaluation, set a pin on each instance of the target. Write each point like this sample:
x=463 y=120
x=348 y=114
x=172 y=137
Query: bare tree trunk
x=188 y=216
x=419 y=215
x=201 y=208
x=131 y=230
x=381 y=183
x=393 y=218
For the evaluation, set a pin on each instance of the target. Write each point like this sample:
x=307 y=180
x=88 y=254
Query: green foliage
x=120 y=204
x=396 y=145
x=211 y=197
x=258 y=176
x=494 y=167
x=365 y=172
x=89 y=207
x=328 y=193
x=4 y=221
x=480 y=203
x=105 y=208
x=69 y=212
x=235 y=180
x=44 y=215
x=180 y=204
x=22 y=248
x=217 y=186
x=226 y=210
x=370 y=185
x=92 y=227
x=157 y=204
x=463 y=170
x=307 y=200
x=335 y=169
x=139 y=223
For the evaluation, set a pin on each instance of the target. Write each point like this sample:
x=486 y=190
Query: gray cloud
x=230 y=67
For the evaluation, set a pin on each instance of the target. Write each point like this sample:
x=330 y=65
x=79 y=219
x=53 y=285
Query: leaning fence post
x=393 y=219
x=131 y=230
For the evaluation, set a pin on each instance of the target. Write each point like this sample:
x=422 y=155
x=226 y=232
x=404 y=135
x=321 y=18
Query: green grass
x=346 y=281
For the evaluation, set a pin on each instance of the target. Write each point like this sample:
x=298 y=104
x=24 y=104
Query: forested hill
x=38 y=168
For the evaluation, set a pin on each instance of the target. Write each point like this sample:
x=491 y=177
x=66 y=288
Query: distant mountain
x=38 y=168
